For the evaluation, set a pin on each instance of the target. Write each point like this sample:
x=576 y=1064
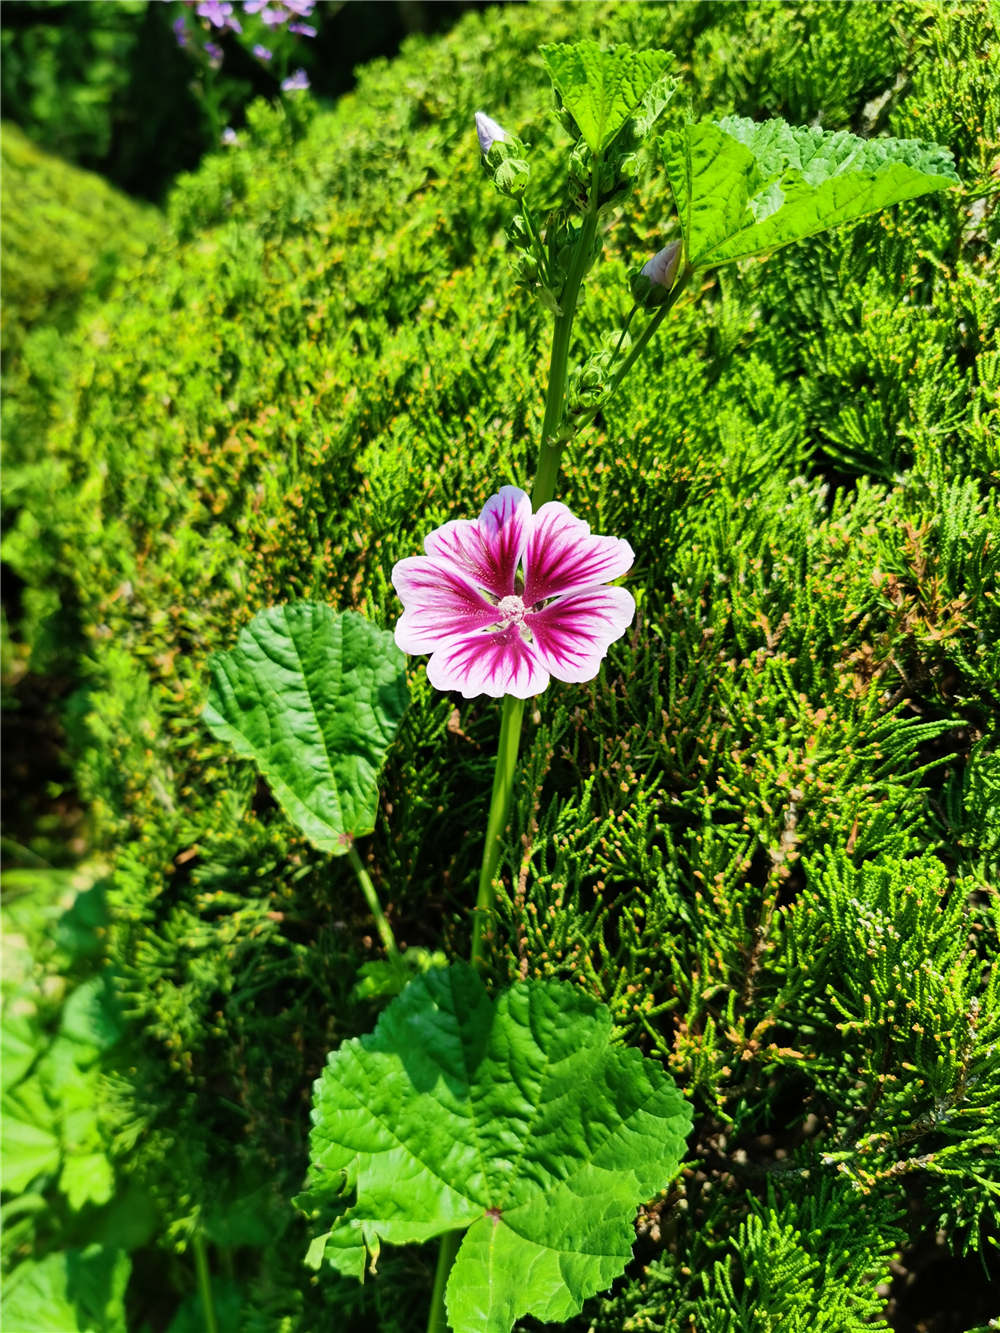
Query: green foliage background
x=767 y=836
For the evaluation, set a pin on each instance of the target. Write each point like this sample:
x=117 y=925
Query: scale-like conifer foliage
x=766 y=838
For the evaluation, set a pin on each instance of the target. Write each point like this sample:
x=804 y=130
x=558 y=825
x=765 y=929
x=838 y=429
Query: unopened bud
x=662 y=268
x=489 y=132
x=654 y=281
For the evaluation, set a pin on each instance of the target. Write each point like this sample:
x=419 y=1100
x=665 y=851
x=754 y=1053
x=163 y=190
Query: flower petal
x=495 y=664
x=439 y=602
x=488 y=549
x=562 y=557
x=572 y=635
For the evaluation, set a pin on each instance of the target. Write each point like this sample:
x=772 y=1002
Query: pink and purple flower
x=508 y=600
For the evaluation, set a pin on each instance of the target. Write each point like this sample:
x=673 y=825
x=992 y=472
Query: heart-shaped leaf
x=601 y=88
x=744 y=188
x=314 y=698
x=518 y=1123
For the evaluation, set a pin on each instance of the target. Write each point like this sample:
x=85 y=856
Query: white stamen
x=511 y=611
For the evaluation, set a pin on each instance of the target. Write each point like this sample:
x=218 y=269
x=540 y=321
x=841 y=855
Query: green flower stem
x=512 y=716
x=450 y=1241
x=374 y=906
x=204 y=1283
x=550 y=452
x=496 y=822
x=637 y=348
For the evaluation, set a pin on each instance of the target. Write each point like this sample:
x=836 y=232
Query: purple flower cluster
x=274 y=13
x=218 y=16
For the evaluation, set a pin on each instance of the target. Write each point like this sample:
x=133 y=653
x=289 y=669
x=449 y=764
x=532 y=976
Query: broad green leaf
x=87 y=1178
x=602 y=88
x=19 y=1045
x=517 y=1122
x=91 y=1017
x=30 y=1142
x=314 y=698
x=69 y=1291
x=744 y=188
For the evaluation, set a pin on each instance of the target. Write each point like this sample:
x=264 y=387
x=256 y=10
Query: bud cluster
x=503 y=157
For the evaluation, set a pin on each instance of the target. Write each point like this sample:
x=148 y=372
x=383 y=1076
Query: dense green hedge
x=764 y=836
x=64 y=232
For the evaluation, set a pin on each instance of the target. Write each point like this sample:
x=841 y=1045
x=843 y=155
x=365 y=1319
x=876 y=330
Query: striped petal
x=439 y=602
x=572 y=635
x=496 y=664
x=488 y=549
x=563 y=557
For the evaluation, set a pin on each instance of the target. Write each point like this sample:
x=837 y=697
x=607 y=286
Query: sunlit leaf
x=743 y=188
x=602 y=88
x=516 y=1122
x=314 y=698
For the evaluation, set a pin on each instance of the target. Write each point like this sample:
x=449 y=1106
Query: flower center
x=510 y=611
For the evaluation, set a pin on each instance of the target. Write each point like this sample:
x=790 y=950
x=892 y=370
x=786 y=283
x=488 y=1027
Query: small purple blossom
x=215 y=54
x=180 y=32
x=295 y=83
x=229 y=136
x=273 y=18
x=261 y=52
x=219 y=14
x=304 y=29
x=301 y=7
x=511 y=599
x=253 y=6
x=489 y=132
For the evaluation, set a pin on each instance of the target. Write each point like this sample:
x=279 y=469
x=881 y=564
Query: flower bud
x=489 y=132
x=654 y=281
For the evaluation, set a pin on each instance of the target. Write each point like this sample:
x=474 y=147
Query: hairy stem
x=374 y=906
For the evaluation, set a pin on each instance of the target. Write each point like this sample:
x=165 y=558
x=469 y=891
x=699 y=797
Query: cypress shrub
x=767 y=837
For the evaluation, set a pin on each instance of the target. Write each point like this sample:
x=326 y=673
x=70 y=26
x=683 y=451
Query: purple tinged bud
x=661 y=270
x=181 y=32
x=489 y=132
x=274 y=18
x=305 y=29
x=229 y=136
x=214 y=53
x=295 y=83
x=301 y=7
x=261 y=52
x=253 y=6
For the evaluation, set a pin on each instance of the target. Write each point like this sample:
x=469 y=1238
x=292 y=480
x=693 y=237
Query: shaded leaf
x=227 y=1301
x=743 y=188
x=91 y=1015
x=314 y=698
x=601 y=88
x=69 y=1291
x=518 y=1121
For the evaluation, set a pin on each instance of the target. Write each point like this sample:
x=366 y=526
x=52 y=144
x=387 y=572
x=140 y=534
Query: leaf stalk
x=374 y=906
